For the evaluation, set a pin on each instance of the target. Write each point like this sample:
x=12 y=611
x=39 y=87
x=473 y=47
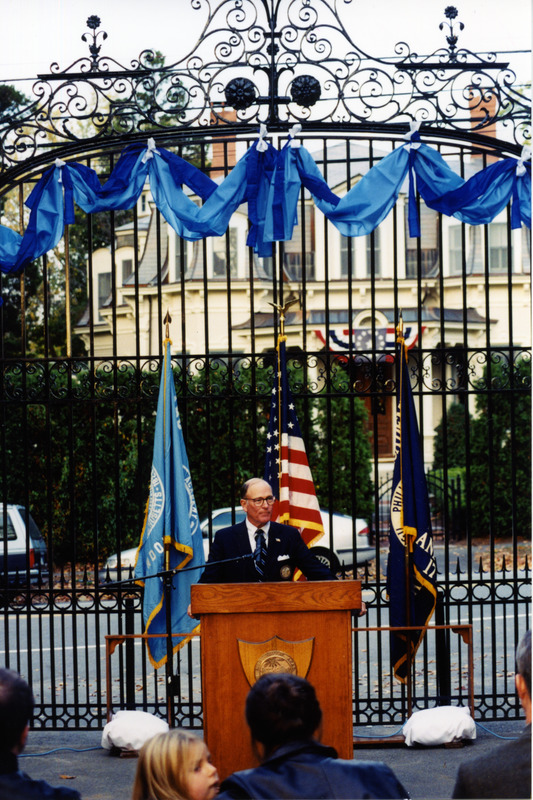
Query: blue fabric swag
x=270 y=182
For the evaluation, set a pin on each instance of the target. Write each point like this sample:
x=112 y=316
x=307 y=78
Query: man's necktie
x=260 y=552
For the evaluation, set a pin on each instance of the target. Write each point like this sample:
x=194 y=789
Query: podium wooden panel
x=256 y=612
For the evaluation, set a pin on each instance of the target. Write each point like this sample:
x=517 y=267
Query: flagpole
x=400 y=340
x=281 y=338
x=168 y=577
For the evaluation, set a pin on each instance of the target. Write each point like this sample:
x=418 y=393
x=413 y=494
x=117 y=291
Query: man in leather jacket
x=283 y=714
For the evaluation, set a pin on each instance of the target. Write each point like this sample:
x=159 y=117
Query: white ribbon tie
x=413 y=128
x=294 y=131
x=262 y=146
x=59 y=164
x=525 y=156
x=150 y=150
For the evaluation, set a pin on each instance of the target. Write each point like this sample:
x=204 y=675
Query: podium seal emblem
x=275 y=655
x=274 y=661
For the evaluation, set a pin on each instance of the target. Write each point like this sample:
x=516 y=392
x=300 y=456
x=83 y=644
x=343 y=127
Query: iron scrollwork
x=273 y=61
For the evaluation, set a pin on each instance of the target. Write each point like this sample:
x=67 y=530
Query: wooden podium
x=248 y=629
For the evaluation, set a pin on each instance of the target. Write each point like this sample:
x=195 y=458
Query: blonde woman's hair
x=164 y=761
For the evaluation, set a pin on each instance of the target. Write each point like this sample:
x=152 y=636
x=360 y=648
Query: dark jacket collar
x=295 y=748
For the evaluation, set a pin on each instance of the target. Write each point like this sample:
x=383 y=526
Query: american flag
x=286 y=465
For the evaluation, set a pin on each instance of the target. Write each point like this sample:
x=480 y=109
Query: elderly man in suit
x=273 y=551
x=505 y=772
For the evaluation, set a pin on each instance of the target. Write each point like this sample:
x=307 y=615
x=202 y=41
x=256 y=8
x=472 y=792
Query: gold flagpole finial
x=399 y=328
x=167 y=321
x=282 y=312
x=400 y=339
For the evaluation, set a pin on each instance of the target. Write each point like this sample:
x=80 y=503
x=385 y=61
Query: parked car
x=26 y=549
x=333 y=557
x=341 y=551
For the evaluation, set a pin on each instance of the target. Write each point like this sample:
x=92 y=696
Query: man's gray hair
x=246 y=485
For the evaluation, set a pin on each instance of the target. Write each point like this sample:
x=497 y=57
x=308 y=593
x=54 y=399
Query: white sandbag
x=439 y=725
x=129 y=730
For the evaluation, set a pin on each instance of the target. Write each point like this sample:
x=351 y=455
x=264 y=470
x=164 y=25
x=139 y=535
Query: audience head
x=16 y=709
x=523 y=673
x=282 y=708
x=175 y=766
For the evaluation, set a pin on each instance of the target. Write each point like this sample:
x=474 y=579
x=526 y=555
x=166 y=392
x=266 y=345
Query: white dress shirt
x=252 y=530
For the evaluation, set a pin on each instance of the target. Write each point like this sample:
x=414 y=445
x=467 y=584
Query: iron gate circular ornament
x=240 y=93
x=305 y=90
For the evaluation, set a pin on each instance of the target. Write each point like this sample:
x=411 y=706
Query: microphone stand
x=174 y=571
x=168 y=576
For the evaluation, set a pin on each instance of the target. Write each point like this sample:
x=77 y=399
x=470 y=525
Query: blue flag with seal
x=171 y=536
x=411 y=570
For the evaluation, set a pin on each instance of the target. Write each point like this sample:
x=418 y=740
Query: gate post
x=130 y=654
x=442 y=654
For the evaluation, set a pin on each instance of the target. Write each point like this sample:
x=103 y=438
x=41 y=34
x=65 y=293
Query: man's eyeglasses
x=258 y=501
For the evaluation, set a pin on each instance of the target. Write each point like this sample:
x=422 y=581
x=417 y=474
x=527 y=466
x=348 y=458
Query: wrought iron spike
x=166 y=322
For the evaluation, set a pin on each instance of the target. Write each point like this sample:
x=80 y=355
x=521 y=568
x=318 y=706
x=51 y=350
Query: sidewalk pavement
x=427 y=772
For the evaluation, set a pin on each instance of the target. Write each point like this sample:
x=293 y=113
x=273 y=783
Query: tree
x=340 y=455
x=500 y=444
x=11 y=102
x=449 y=442
x=496 y=481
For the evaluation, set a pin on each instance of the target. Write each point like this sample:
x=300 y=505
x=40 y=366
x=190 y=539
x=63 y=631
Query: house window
x=127 y=269
x=497 y=237
x=526 y=250
x=224 y=246
x=423 y=248
x=376 y=246
x=299 y=252
x=265 y=266
x=104 y=289
x=143 y=204
x=347 y=247
x=181 y=257
x=295 y=267
x=455 y=241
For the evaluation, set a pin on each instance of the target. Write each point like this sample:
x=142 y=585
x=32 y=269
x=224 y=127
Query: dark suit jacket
x=286 y=552
x=505 y=772
x=15 y=785
x=309 y=769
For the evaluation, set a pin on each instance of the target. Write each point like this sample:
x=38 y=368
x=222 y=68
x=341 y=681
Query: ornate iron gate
x=82 y=331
